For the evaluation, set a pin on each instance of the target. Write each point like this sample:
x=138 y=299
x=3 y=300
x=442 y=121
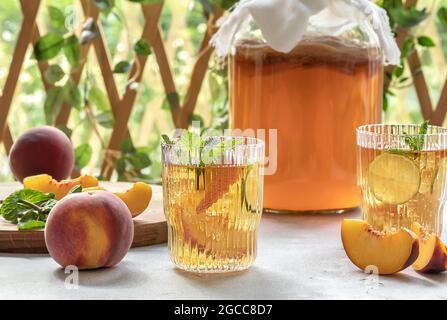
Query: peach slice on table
x=45 y=183
x=432 y=251
x=388 y=252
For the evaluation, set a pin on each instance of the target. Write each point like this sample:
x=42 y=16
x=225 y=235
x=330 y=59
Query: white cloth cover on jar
x=284 y=22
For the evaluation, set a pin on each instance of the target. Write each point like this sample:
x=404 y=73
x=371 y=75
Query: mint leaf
x=27 y=203
x=166 y=139
x=76 y=189
x=416 y=143
x=31 y=224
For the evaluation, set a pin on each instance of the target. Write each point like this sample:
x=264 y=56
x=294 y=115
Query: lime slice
x=393 y=178
x=251 y=189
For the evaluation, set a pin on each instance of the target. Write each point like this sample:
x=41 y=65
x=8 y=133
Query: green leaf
x=139 y=160
x=122 y=67
x=12 y=208
x=48 y=46
x=227 y=4
x=407 y=18
x=98 y=98
x=127 y=146
x=399 y=70
x=407 y=47
x=416 y=143
x=105 y=119
x=72 y=50
x=47 y=206
x=173 y=100
x=166 y=139
x=29 y=215
x=31 y=224
x=214 y=87
x=385 y=103
x=83 y=155
x=424 y=127
x=53 y=74
x=68 y=132
x=442 y=16
x=57 y=19
x=76 y=189
x=142 y=47
x=426 y=41
x=72 y=94
x=120 y=165
x=53 y=103
x=197 y=118
x=105 y=6
x=146 y=1
x=190 y=140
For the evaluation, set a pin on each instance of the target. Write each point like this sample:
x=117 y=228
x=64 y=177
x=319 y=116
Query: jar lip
x=366 y=130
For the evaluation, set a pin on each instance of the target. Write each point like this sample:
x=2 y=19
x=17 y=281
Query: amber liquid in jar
x=315 y=96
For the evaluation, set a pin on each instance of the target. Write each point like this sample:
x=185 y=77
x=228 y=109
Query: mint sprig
x=416 y=143
x=27 y=208
x=202 y=147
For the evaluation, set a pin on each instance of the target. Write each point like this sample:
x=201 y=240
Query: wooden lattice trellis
x=122 y=104
x=435 y=113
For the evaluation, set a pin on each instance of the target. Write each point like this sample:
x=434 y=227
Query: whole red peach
x=89 y=230
x=42 y=150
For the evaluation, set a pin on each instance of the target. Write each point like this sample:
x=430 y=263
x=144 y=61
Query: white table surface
x=300 y=257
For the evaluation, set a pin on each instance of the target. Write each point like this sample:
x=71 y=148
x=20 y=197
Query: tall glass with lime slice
x=402 y=174
x=213 y=198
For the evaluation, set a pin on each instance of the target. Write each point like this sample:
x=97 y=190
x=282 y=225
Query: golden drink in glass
x=213 y=210
x=402 y=176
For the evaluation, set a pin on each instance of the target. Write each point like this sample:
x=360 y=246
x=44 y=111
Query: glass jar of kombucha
x=315 y=96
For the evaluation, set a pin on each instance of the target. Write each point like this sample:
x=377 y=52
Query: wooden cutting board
x=150 y=226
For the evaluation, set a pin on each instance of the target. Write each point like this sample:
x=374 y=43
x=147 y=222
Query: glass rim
x=363 y=130
x=250 y=142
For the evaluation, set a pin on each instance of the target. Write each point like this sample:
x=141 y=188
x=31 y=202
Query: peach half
x=367 y=248
x=432 y=251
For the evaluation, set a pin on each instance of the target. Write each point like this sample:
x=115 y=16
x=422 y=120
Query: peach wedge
x=137 y=198
x=46 y=183
x=388 y=252
x=432 y=252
